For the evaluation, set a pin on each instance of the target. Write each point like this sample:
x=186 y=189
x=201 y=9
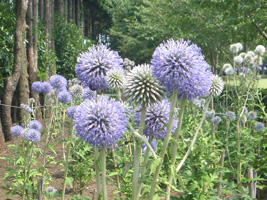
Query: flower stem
x=174 y=148
x=165 y=144
x=195 y=136
x=103 y=165
x=137 y=155
x=97 y=171
x=66 y=164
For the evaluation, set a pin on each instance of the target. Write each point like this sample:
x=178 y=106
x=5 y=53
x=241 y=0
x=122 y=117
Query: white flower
x=260 y=50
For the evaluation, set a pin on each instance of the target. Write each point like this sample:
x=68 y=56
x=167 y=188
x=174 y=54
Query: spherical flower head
x=230 y=115
x=32 y=135
x=251 y=53
x=141 y=88
x=238 y=60
x=242 y=54
x=76 y=91
x=239 y=46
x=64 y=97
x=210 y=114
x=217 y=86
x=157 y=116
x=16 y=130
x=74 y=81
x=94 y=65
x=115 y=79
x=50 y=189
x=100 y=123
x=234 y=49
x=245 y=110
x=71 y=111
x=260 y=49
x=259 y=126
x=248 y=59
x=58 y=81
x=89 y=94
x=35 y=124
x=243 y=119
x=37 y=86
x=32 y=101
x=252 y=115
x=180 y=65
x=46 y=87
x=216 y=120
x=229 y=71
x=227 y=65
x=197 y=103
x=128 y=64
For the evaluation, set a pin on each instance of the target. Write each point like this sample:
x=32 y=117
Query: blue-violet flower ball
x=33 y=135
x=37 y=86
x=16 y=130
x=35 y=124
x=64 y=97
x=89 y=94
x=100 y=123
x=252 y=115
x=58 y=81
x=71 y=111
x=259 y=126
x=46 y=87
x=94 y=65
x=230 y=115
x=157 y=116
x=216 y=120
x=180 y=65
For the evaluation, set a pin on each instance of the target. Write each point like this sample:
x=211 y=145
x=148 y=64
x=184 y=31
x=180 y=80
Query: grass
x=262 y=83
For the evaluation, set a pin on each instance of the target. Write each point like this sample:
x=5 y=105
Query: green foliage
x=69 y=43
x=7 y=29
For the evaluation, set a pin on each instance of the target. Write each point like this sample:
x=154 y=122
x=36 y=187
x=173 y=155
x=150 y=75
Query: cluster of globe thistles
x=180 y=65
x=100 y=123
x=157 y=116
x=94 y=65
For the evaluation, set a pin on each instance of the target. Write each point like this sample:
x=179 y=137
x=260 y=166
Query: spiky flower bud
x=242 y=54
x=71 y=111
x=259 y=126
x=227 y=65
x=252 y=115
x=89 y=94
x=229 y=71
x=32 y=135
x=238 y=60
x=141 y=87
x=230 y=115
x=76 y=91
x=115 y=79
x=16 y=130
x=64 y=97
x=260 y=50
x=216 y=120
x=235 y=48
x=37 y=86
x=243 y=119
x=35 y=124
x=58 y=81
x=210 y=114
x=248 y=59
x=217 y=85
x=46 y=87
x=251 y=53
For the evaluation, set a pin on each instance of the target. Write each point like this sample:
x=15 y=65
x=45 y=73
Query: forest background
x=39 y=38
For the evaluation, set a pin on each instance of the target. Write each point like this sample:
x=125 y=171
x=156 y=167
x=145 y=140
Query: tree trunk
x=66 y=10
x=12 y=81
x=70 y=10
x=73 y=11
x=42 y=9
x=78 y=13
x=82 y=17
x=60 y=6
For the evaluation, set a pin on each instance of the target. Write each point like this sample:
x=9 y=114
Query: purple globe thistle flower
x=259 y=126
x=76 y=91
x=58 y=81
x=46 y=87
x=216 y=120
x=157 y=118
x=100 y=123
x=210 y=114
x=252 y=115
x=35 y=124
x=32 y=135
x=230 y=115
x=179 y=65
x=89 y=94
x=153 y=145
x=26 y=108
x=64 y=97
x=37 y=86
x=71 y=111
x=94 y=65
x=16 y=130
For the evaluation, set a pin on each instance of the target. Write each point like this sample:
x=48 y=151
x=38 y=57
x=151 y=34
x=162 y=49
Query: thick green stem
x=66 y=165
x=175 y=146
x=103 y=166
x=165 y=144
x=195 y=136
x=144 y=166
x=27 y=169
x=238 y=152
x=137 y=155
x=97 y=171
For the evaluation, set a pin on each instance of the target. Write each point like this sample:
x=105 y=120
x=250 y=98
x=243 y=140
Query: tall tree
x=12 y=81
